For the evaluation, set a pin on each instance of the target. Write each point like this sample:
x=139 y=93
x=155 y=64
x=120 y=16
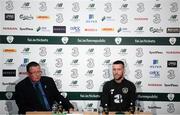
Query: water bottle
x=131 y=108
x=54 y=108
x=100 y=110
x=60 y=107
x=106 y=109
x=138 y=105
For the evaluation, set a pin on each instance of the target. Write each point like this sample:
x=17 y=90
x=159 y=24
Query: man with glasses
x=38 y=93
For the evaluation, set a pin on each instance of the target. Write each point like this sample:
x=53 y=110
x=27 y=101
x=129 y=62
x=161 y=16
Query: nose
x=115 y=71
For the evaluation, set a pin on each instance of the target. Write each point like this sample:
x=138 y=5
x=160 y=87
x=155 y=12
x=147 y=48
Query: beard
x=118 y=77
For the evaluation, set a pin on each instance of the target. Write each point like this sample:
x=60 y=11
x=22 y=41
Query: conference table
x=86 y=113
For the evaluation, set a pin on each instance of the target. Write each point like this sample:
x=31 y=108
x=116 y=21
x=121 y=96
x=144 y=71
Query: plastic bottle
x=100 y=110
x=60 y=107
x=132 y=108
x=54 y=108
x=106 y=109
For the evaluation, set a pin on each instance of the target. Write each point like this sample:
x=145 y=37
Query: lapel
x=30 y=86
x=44 y=85
x=30 y=90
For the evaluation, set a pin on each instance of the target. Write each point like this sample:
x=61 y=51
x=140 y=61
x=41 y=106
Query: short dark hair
x=119 y=62
x=31 y=64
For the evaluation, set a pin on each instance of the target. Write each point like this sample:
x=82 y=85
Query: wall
x=76 y=41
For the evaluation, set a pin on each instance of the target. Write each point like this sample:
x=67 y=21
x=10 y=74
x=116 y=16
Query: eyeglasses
x=36 y=73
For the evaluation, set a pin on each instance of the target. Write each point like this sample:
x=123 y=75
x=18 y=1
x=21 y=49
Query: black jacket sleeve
x=105 y=95
x=132 y=96
x=59 y=98
x=20 y=101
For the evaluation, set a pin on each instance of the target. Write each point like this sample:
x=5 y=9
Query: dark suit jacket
x=26 y=99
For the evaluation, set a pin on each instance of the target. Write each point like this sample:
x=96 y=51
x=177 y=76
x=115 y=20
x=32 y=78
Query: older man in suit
x=38 y=93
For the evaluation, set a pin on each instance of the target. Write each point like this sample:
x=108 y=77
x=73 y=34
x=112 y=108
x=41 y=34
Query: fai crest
x=10 y=39
x=9 y=95
x=170 y=96
x=64 y=94
x=172 y=41
x=125 y=90
x=65 y=40
x=118 y=40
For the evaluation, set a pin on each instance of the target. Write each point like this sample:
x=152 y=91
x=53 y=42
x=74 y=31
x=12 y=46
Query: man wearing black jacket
x=38 y=93
x=118 y=94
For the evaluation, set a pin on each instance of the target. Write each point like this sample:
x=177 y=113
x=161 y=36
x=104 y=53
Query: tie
x=40 y=96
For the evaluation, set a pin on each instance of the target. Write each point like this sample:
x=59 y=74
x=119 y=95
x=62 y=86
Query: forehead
x=118 y=66
x=32 y=68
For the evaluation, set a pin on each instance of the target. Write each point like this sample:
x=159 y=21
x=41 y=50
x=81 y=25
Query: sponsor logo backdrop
x=76 y=42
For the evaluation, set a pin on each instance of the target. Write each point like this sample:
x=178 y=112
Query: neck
x=34 y=81
x=119 y=80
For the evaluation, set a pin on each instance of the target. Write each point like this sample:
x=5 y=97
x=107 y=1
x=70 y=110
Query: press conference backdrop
x=76 y=41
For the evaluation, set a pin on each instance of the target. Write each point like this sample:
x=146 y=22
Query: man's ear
x=124 y=71
x=27 y=73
